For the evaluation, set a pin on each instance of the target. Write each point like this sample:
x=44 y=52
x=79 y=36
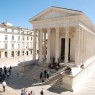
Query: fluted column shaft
x=77 y=48
x=41 y=43
x=57 y=45
x=34 y=46
x=66 y=44
x=48 y=46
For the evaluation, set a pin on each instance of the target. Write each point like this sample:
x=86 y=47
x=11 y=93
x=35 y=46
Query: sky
x=18 y=12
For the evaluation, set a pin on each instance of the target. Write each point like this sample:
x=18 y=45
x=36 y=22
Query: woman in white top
x=4 y=85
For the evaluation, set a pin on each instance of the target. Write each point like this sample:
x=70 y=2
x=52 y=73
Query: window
x=18 y=46
x=22 y=52
x=18 y=53
x=27 y=53
x=23 y=38
x=31 y=38
x=12 y=53
x=22 y=45
x=9 y=30
x=6 y=45
x=12 y=30
x=6 y=54
x=12 y=46
x=31 y=52
x=18 y=38
x=27 y=45
x=27 y=38
x=6 y=37
x=5 y=29
x=12 y=37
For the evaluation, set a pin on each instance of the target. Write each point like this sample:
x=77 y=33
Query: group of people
x=54 y=65
x=44 y=74
x=25 y=92
x=5 y=73
x=68 y=70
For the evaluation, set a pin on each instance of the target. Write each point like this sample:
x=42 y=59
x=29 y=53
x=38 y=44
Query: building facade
x=15 y=41
x=64 y=34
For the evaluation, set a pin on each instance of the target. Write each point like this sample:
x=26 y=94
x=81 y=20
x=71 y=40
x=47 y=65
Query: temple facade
x=65 y=34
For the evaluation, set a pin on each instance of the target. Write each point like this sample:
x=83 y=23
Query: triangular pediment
x=54 y=12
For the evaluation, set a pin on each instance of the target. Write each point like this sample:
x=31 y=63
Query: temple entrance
x=63 y=49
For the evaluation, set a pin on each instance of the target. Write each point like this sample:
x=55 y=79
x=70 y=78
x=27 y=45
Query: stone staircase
x=33 y=72
x=53 y=80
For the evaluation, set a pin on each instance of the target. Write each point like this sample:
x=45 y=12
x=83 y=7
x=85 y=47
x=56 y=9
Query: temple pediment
x=54 y=12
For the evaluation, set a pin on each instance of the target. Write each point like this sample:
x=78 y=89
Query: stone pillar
x=77 y=47
x=38 y=43
x=41 y=43
x=66 y=44
x=45 y=44
x=48 y=46
x=81 y=46
x=84 y=45
x=34 y=45
x=57 y=45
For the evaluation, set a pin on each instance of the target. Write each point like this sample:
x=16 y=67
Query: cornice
x=84 y=19
x=12 y=33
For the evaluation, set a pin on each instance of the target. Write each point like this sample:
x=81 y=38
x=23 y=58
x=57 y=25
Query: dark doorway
x=12 y=53
x=63 y=49
x=6 y=54
x=18 y=53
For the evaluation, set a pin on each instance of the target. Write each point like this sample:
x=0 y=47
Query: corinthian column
x=78 y=46
x=34 y=46
x=48 y=46
x=57 y=45
x=45 y=44
x=41 y=44
x=66 y=44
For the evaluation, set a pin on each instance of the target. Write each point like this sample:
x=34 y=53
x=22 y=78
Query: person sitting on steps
x=68 y=70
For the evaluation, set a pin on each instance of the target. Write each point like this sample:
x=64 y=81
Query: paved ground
x=16 y=83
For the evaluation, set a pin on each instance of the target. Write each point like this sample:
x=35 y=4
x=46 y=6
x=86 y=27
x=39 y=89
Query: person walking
x=42 y=92
x=45 y=73
x=41 y=75
x=48 y=74
x=22 y=92
x=31 y=93
x=4 y=85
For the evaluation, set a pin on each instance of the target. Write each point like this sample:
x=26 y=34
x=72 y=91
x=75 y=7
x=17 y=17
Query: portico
x=63 y=35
